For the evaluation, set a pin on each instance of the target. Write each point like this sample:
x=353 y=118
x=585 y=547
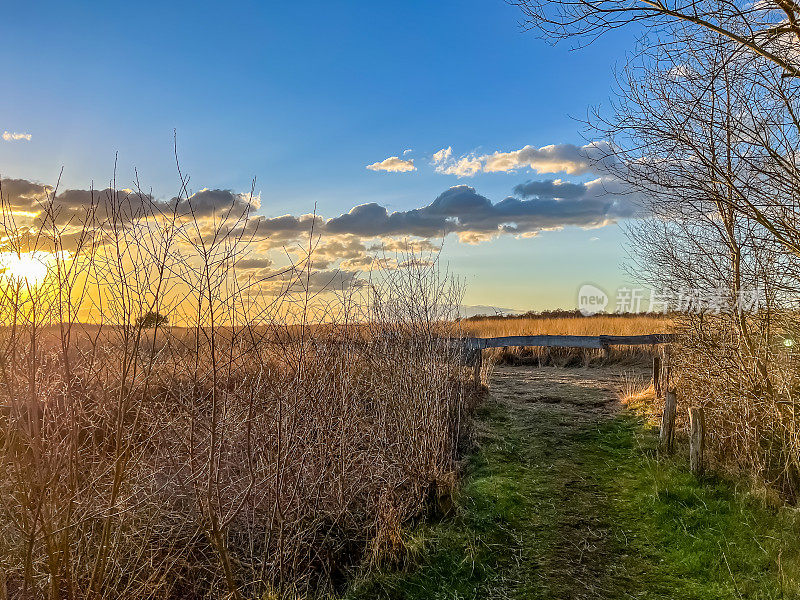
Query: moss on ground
x=557 y=505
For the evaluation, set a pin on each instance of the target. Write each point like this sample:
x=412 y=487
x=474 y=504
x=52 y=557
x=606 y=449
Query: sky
x=391 y=121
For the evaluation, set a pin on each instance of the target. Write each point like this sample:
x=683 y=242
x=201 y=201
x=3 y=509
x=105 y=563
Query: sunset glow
x=30 y=267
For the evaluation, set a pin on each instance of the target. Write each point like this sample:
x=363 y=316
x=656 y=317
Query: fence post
x=667 y=433
x=657 y=375
x=697 y=439
x=477 y=366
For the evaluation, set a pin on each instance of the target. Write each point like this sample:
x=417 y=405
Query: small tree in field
x=151 y=320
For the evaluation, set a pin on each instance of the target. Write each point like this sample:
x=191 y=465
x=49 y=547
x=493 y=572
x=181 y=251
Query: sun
x=30 y=267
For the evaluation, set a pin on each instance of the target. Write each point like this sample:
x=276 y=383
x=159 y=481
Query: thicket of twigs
x=268 y=438
x=705 y=137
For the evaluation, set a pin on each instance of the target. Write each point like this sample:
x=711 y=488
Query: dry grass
x=748 y=388
x=572 y=325
x=241 y=455
x=594 y=325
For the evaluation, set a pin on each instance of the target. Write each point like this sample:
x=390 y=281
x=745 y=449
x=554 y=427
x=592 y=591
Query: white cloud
x=442 y=155
x=14 y=137
x=555 y=158
x=465 y=166
x=393 y=164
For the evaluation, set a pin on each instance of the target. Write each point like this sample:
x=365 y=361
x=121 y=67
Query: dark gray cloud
x=205 y=203
x=461 y=209
x=536 y=206
x=23 y=195
x=124 y=205
x=373 y=220
x=255 y=262
x=551 y=188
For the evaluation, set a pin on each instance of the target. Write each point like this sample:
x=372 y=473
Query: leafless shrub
x=265 y=440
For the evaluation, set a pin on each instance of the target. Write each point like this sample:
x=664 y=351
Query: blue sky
x=303 y=97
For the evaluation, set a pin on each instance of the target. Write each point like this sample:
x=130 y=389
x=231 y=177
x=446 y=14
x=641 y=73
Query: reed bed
x=573 y=324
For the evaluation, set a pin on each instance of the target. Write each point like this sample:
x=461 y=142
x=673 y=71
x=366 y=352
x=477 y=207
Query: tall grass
x=577 y=325
x=276 y=437
x=568 y=325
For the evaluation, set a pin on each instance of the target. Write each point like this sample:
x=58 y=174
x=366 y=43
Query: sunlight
x=28 y=266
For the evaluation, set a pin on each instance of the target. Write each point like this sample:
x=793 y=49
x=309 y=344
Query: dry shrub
x=262 y=445
x=749 y=389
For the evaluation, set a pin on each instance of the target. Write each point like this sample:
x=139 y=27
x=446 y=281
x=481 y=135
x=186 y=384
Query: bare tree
x=705 y=134
x=769 y=29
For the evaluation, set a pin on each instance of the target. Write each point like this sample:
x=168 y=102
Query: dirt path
x=562 y=499
x=571 y=544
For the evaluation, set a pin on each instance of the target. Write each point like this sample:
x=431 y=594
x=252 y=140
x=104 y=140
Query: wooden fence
x=661 y=381
x=600 y=342
x=473 y=347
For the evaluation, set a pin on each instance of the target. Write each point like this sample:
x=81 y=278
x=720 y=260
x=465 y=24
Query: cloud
x=555 y=158
x=373 y=220
x=254 y=263
x=465 y=166
x=405 y=244
x=393 y=164
x=462 y=210
x=206 y=202
x=130 y=204
x=537 y=205
x=553 y=188
x=15 y=137
x=22 y=195
x=369 y=262
x=443 y=155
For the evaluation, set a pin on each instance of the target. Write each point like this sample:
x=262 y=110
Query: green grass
x=557 y=507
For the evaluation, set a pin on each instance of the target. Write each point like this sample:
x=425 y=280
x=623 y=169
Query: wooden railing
x=600 y=342
x=474 y=347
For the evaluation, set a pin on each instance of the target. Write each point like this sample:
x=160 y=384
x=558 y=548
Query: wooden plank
x=697 y=439
x=657 y=375
x=568 y=341
x=545 y=341
x=637 y=340
x=667 y=434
